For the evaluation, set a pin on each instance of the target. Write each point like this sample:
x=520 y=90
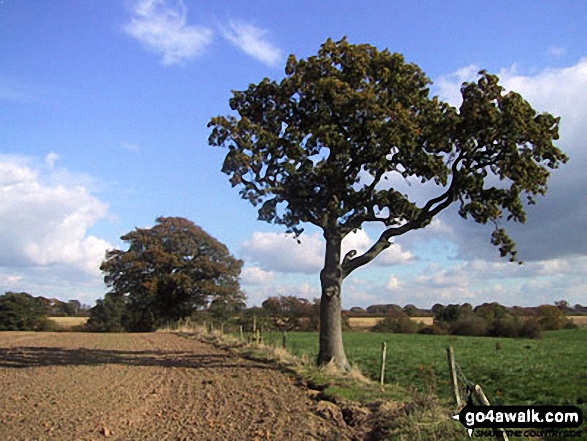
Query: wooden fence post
x=284 y=340
x=452 y=371
x=483 y=400
x=383 y=358
x=241 y=337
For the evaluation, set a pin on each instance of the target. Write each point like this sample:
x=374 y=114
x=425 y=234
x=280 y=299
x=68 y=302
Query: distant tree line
x=488 y=319
x=20 y=311
x=290 y=313
x=413 y=311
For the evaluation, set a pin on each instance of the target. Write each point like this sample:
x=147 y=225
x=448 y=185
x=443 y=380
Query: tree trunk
x=331 y=345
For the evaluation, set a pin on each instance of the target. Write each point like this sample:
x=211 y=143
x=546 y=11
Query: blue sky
x=104 y=107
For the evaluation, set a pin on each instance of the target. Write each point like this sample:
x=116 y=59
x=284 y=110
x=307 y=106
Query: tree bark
x=331 y=277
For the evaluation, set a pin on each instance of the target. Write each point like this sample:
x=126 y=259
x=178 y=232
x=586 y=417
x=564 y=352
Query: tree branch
x=431 y=209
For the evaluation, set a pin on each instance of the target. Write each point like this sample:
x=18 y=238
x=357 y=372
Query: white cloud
x=253 y=275
x=304 y=290
x=47 y=224
x=161 y=27
x=361 y=242
x=251 y=40
x=476 y=282
x=480 y=281
x=357 y=290
x=393 y=284
x=280 y=252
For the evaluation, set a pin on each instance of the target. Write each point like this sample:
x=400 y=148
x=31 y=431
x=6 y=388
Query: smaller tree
x=564 y=306
x=286 y=312
x=223 y=309
x=552 y=318
x=492 y=311
x=384 y=309
x=168 y=272
x=273 y=306
x=73 y=307
x=411 y=310
x=109 y=315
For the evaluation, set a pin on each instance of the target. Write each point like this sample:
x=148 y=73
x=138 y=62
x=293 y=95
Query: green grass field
x=511 y=371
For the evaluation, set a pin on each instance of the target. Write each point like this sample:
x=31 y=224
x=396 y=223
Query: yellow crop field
x=579 y=320
x=69 y=322
x=426 y=320
x=363 y=323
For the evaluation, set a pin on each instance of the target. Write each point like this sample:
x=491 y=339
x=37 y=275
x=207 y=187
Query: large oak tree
x=168 y=271
x=318 y=146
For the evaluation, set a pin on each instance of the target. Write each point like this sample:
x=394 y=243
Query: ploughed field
x=157 y=386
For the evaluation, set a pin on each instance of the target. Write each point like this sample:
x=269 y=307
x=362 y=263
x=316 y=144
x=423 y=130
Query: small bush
x=469 y=325
x=504 y=327
x=552 y=318
x=402 y=325
x=46 y=325
x=436 y=329
x=530 y=328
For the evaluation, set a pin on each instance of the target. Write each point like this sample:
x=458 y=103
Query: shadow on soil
x=35 y=356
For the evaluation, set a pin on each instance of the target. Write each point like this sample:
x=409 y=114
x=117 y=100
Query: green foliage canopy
x=318 y=146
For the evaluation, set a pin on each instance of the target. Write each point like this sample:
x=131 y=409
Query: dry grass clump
x=354 y=374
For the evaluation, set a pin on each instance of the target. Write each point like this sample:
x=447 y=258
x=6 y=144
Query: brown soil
x=81 y=386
